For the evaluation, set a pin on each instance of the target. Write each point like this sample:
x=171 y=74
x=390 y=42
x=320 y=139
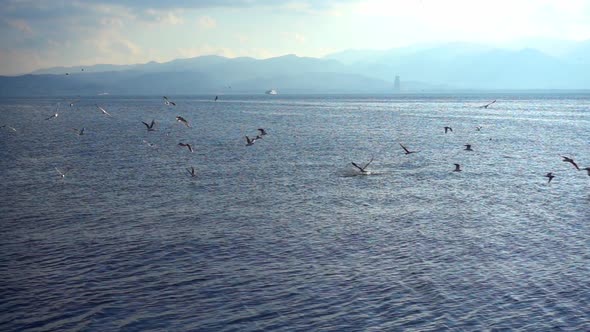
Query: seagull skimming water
x=364 y=168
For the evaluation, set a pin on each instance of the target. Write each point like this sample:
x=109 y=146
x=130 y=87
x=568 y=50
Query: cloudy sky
x=44 y=33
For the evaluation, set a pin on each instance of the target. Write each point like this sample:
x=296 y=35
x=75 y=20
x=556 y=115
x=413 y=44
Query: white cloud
x=206 y=22
x=20 y=25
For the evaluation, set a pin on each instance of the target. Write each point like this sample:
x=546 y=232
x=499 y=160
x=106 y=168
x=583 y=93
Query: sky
x=38 y=34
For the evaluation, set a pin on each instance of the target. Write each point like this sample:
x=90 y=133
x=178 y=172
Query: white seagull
x=250 y=141
x=9 y=127
x=168 y=102
x=62 y=174
x=53 y=116
x=103 y=110
x=183 y=121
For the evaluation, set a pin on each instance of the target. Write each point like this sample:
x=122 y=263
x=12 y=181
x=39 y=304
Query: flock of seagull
x=262 y=132
x=150 y=128
x=363 y=169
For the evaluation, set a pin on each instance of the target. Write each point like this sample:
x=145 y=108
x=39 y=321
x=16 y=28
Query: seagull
x=448 y=129
x=363 y=169
x=468 y=147
x=478 y=128
x=168 y=102
x=487 y=105
x=250 y=141
x=550 y=176
x=102 y=110
x=150 y=127
x=71 y=103
x=9 y=127
x=53 y=116
x=62 y=174
x=457 y=168
x=191 y=171
x=406 y=150
x=190 y=148
x=80 y=132
x=183 y=120
x=151 y=145
x=571 y=161
x=216 y=97
x=262 y=131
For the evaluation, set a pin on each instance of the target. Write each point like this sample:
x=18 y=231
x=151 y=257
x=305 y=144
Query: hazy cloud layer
x=43 y=33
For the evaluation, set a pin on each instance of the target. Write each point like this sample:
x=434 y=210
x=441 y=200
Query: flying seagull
x=53 y=116
x=478 y=128
x=191 y=171
x=190 y=148
x=9 y=127
x=457 y=168
x=250 y=141
x=468 y=147
x=406 y=150
x=571 y=161
x=168 y=101
x=448 y=129
x=102 y=110
x=183 y=120
x=62 y=174
x=80 y=132
x=150 y=127
x=550 y=176
x=362 y=169
x=262 y=131
x=488 y=104
x=216 y=97
x=151 y=145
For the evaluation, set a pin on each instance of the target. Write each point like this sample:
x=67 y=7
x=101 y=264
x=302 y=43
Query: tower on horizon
x=397 y=85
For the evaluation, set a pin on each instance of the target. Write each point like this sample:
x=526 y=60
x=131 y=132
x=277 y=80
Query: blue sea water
x=285 y=235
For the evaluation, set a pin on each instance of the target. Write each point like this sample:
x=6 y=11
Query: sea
x=286 y=234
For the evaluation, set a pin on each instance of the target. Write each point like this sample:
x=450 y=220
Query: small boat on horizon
x=271 y=92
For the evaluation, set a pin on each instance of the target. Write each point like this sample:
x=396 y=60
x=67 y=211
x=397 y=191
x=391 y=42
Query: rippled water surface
x=285 y=235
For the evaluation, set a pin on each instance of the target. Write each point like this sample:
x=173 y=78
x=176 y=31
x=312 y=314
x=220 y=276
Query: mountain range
x=444 y=67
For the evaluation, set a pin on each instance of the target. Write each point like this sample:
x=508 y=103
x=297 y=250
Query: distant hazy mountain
x=421 y=67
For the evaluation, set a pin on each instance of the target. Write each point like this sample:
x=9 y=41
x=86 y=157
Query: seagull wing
x=403 y=147
x=357 y=166
x=575 y=165
x=367 y=164
x=147 y=125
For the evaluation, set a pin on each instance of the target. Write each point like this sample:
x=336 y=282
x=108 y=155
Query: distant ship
x=103 y=93
x=271 y=92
